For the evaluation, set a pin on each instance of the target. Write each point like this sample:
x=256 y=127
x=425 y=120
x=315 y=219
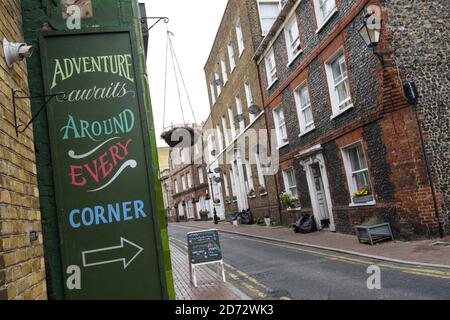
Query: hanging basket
x=179 y=139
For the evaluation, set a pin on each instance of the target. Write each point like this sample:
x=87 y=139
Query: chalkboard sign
x=204 y=247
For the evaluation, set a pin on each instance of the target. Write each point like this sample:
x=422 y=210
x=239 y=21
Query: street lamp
x=217 y=180
x=370 y=31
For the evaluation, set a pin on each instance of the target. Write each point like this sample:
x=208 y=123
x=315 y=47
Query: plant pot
x=235 y=223
x=267 y=221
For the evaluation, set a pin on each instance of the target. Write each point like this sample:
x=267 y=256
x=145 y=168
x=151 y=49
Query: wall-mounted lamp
x=370 y=31
x=15 y=52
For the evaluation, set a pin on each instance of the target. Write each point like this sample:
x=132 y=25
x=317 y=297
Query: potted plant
x=289 y=201
x=204 y=215
x=363 y=195
x=262 y=190
x=251 y=193
x=216 y=201
x=234 y=198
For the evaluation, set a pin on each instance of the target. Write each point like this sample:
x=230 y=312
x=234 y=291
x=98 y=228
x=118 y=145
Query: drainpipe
x=430 y=177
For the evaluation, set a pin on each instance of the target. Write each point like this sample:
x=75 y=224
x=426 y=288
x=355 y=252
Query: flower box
x=362 y=199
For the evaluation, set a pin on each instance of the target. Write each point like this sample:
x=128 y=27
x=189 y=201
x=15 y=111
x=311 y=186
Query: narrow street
x=273 y=270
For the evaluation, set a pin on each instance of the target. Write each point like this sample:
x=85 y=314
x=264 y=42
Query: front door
x=321 y=199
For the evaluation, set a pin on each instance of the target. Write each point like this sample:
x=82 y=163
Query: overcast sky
x=194 y=24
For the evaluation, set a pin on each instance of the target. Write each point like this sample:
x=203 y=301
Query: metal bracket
x=158 y=19
x=15 y=97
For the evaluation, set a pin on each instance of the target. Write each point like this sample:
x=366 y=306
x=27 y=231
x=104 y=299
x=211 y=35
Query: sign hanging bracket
x=158 y=19
x=15 y=97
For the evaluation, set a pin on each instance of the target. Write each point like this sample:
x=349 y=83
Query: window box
x=362 y=199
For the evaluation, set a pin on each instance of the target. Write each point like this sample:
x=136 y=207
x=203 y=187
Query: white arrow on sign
x=89 y=257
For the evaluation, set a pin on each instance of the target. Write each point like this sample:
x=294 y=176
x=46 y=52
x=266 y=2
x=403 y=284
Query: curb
x=353 y=253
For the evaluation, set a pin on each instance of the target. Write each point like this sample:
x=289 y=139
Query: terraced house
x=237 y=111
x=188 y=183
x=348 y=114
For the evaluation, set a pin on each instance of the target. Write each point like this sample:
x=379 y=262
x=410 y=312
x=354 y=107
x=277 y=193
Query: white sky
x=194 y=24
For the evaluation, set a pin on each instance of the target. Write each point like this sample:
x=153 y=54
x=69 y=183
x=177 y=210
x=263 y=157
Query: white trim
x=311 y=186
x=320 y=19
x=313 y=128
x=294 y=58
x=278 y=31
x=336 y=115
x=349 y=173
x=230 y=144
x=325 y=22
x=292 y=22
x=333 y=95
x=271 y=85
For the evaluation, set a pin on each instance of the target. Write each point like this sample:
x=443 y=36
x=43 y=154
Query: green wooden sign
x=204 y=247
x=99 y=136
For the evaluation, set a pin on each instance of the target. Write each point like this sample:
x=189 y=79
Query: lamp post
x=211 y=175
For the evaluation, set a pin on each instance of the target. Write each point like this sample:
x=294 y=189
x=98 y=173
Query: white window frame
x=291 y=189
x=332 y=86
x=183 y=183
x=350 y=173
x=240 y=37
x=293 y=47
x=304 y=126
x=249 y=98
x=175 y=183
x=232 y=122
x=223 y=67
x=189 y=180
x=271 y=68
x=240 y=110
x=320 y=18
x=249 y=171
x=226 y=186
x=219 y=138
x=261 y=17
x=219 y=87
x=280 y=125
x=225 y=131
x=231 y=57
x=261 y=180
x=190 y=209
x=213 y=93
x=201 y=178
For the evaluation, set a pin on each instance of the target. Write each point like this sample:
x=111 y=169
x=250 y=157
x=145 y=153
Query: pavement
x=276 y=270
x=420 y=253
x=209 y=286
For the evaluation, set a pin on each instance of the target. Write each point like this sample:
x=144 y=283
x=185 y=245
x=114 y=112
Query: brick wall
x=381 y=119
x=22 y=267
x=419 y=32
x=246 y=70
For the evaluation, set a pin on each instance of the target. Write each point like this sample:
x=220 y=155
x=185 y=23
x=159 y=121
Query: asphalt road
x=273 y=270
